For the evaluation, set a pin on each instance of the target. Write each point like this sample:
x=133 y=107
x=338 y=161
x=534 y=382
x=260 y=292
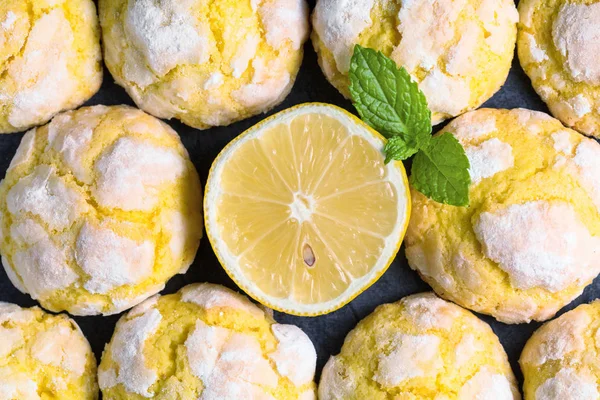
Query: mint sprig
x=441 y=171
x=387 y=98
x=397 y=149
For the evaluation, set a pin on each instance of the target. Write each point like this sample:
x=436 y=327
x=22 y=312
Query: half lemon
x=302 y=211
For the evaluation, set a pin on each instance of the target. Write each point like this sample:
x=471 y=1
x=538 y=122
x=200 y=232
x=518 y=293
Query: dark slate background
x=327 y=332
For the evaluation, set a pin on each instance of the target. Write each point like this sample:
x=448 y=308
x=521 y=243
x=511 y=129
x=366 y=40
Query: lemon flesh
x=302 y=211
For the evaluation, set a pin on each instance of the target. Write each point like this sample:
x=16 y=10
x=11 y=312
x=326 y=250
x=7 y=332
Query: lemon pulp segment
x=305 y=213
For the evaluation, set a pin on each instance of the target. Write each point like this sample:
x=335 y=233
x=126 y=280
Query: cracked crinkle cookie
x=529 y=242
x=560 y=360
x=50 y=59
x=98 y=209
x=44 y=356
x=207 y=63
x=206 y=342
x=559 y=43
x=460 y=51
x=420 y=347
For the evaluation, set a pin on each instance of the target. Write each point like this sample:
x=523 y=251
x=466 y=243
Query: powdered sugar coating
x=132 y=171
x=559 y=338
x=530 y=119
x=42 y=267
x=270 y=83
x=209 y=296
x=428 y=311
x=576 y=34
x=178 y=226
x=488 y=159
x=9 y=22
x=568 y=385
x=45 y=194
x=71 y=137
x=537 y=53
x=240 y=62
x=446 y=94
x=129 y=337
x=562 y=142
x=242 y=353
x=112 y=260
x=474 y=126
x=214 y=81
x=15 y=385
x=486 y=385
x=229 y=364
x=203 y=348
x=410 y=357
x=577 y=107
x=14 y=313
x=539 y=244
x=337 y=382
x=295 y=356
x=62 y=347
x=468 y=346
x=166 y=33
x=587 y=160
x=339 y=23
x=12 y=338
x=433 y=27
x=284 y=20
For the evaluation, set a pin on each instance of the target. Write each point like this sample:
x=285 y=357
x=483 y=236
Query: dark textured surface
x=327 y=332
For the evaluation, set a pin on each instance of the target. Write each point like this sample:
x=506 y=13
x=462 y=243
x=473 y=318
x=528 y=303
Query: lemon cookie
x=98 y=210
x=49 y=57
x=460 y=52
x=560 y=361
x=527 y=244
x=206 y=342
x=206 y=63
x=44 y=356
x=420 y=347
x=559 y=43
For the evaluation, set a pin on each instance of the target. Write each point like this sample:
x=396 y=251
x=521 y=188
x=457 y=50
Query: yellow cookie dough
x=98 y=210
x=561 y=360
x=527 y=244
x=44 y=357
x=49 y=58
x=420 y=348
x=460 y=51
x=206 y=63
x=206 y=342
x=559 y=44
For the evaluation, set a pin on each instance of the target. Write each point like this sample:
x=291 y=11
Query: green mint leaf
x=441 y=171
x=388 y=99
x=397 y=149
